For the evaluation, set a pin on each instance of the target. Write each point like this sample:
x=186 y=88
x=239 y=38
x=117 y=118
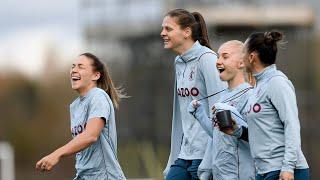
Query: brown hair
x=265 y=44
x=105 y=81
x=193 y=20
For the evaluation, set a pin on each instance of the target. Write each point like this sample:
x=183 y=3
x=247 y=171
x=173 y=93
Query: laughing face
x=230 y=61
x=82 y=75
x=172 y=34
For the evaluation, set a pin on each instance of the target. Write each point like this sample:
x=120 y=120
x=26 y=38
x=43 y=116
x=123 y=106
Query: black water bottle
x=224 y=119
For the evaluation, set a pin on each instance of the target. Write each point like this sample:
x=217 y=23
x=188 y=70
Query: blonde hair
x=247 y=75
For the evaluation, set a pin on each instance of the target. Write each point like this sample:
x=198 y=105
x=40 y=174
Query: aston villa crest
x=191 y=75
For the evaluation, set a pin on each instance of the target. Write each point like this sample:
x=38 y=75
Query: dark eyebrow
x=166 y=26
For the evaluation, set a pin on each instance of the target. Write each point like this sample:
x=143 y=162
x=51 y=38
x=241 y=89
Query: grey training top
x=99 y=160
x=273 y=123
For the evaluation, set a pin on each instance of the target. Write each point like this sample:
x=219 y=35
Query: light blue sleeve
x=99 y=107
x=236 y=116
x=200 y=115
x=282 y=95
x=211 y=77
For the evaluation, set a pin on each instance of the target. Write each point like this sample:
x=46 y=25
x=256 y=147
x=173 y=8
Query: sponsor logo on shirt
x=256 y=108
x=75 y=130
x=185 y=92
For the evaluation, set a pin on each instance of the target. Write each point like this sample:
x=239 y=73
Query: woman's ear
x=187 y=32
x=253 y=57
x=241 y=64
x=96 y=76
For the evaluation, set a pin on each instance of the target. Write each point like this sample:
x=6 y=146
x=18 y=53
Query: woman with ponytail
x=196 y=76
x=93 y=126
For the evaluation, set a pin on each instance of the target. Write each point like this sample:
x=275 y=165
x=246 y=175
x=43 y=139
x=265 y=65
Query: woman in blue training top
x=185 y=33
x=93 y=125
x=227 y=157
x=272 y=114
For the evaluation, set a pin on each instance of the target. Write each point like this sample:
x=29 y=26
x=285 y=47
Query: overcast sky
x=27 y=28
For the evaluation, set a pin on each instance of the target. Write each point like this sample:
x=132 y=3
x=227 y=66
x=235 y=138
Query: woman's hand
x=193 y=106
x=230 y=131
x=47 y=162
x=195 y=103
x=285 y=175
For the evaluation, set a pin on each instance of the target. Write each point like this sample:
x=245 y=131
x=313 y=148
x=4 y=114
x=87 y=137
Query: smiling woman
x=83 y=77
x=185 y=33
x=227 y=157
x=92 y=123
x=230 y=62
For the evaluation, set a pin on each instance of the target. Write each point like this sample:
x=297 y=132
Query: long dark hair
x=265 y=44
x=105 y=81
x=193 y=20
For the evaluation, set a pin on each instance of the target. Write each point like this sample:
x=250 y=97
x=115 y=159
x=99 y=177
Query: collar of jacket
x=191 y=54
x=266 y=72
x=239 y=87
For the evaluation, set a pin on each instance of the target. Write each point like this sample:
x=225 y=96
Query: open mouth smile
x=221 y=69
x=166 y=40
x=75 y=78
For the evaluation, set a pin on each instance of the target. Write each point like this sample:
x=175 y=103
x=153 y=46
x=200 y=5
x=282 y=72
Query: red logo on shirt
x=256 y=108
x=185 y=92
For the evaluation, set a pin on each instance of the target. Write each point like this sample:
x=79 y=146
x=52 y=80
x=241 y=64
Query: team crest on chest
x=233 y=103
x=192 y=74
x=247 y=111
x=178 y=73
x=256 y=108
x=258 y=93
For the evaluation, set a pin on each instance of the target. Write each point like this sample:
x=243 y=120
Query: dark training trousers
x=184 y=170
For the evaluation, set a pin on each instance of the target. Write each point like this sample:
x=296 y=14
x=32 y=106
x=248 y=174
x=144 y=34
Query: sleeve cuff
x=287 y=168
x=199 y=113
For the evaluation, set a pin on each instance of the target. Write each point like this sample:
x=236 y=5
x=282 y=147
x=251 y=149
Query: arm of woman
x=196 y=109
x=80 y=142
x=282 y=96
x=240 y=126
x=98 y=112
